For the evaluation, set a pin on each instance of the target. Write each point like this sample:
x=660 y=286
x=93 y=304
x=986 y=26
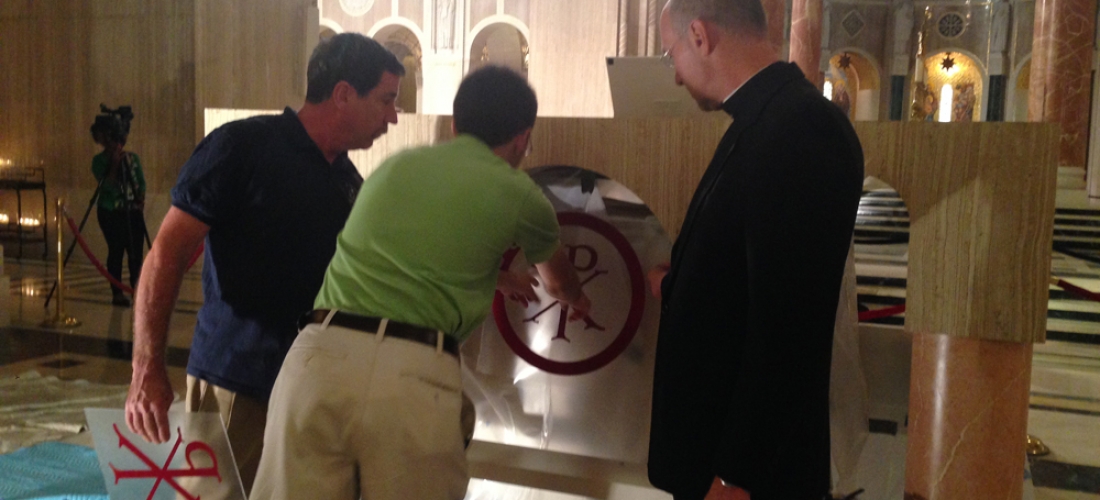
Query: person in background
x=121 y=201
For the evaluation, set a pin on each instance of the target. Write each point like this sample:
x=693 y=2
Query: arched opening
x=500 y=44
x=882 y=237
x=884 y=351
x=963 y=78
x=406 y=46
x=853 y=81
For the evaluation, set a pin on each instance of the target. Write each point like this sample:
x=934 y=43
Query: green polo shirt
x=424 y=241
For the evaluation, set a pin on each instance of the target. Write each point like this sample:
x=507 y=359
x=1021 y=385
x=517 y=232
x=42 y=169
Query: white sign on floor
x=196 y=461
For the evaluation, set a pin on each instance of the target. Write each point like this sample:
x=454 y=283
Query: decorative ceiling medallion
x=852 y=23
x=356 y=7
x=951 y=25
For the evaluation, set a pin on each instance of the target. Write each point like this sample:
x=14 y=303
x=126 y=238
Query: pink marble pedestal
x=968 y=404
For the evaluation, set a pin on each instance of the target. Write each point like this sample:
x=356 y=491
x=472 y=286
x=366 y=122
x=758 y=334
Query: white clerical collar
x=742 y=85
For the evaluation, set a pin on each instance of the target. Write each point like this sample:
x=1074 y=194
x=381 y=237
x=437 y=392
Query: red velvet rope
x=882 y=313
x=95 y=262
x=1058 y=282
x=99 y=265
x=1074 y=289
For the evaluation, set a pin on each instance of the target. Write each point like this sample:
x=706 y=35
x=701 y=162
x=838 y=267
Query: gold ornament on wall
x=845 y=61
x=948 y=63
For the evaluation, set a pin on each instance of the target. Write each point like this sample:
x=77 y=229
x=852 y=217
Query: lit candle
x=946 y=95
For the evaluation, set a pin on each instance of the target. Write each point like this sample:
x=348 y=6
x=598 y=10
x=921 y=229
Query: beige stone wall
x=250 y=54
x=166 y=59
x=568 y=41
x=62 y=59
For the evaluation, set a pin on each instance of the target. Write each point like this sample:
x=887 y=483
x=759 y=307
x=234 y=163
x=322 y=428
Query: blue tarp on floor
x=51 y=471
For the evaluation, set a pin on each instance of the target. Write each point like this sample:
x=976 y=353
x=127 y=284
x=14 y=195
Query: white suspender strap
x=382 y=324
x=328 y=317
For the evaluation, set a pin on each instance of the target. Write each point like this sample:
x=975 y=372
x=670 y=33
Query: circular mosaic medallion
x=951 y=25
x=356 y=7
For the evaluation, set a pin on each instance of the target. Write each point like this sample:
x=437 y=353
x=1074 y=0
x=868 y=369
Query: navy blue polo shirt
x=274 y=206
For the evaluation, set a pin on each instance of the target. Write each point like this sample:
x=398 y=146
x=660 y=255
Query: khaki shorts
x=244 y=418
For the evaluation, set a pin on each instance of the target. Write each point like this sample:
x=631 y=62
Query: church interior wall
x=975 y=28
x=250 y=54
x=873 y=20
x=568 y=54
x=1023 y=32
x=168 y=60
x=247 y=54
x=564 y=48
x=63 y=59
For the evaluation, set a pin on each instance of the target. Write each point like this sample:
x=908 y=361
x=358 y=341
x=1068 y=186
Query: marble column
x=806 y=38
x=1061 y=65
x=967 y=418
x=776 y=11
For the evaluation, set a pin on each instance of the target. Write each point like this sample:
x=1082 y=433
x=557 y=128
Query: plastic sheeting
x=848 y=397
x=604 y=413
x=36 y=408
x=51 y=471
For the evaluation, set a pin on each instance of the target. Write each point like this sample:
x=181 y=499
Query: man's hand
x=518 y=286
x=718 y=491
x=559 y=279
x=579 y=308
x=148 y=401
x=656 y=276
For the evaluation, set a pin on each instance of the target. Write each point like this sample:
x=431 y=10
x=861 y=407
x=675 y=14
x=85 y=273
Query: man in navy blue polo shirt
x=269 y=196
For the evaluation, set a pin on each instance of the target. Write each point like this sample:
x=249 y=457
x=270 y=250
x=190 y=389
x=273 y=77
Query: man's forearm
x=179 y=236
x=156 y=296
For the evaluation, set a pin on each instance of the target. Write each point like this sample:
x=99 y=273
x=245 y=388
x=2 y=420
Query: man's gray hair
x=741 y=17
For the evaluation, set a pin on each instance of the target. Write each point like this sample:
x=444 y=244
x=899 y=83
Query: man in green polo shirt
x=367 y=402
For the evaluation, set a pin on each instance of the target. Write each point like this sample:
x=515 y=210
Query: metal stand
x=72 y=246
x=60 y=319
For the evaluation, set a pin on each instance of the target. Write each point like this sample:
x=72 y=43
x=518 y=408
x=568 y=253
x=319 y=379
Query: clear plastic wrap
x=604 y=413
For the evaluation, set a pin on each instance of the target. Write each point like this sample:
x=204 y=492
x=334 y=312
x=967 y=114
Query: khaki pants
x=355 y=414
x=244 y=418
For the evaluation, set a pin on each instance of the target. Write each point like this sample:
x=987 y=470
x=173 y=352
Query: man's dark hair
x=735 y=16
x=494 y=104
x=348 y=57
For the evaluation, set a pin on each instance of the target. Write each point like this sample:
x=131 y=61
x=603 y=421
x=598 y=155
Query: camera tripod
x=128 y=178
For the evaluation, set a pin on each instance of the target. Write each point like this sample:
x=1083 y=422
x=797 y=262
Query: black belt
x=370 y=324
